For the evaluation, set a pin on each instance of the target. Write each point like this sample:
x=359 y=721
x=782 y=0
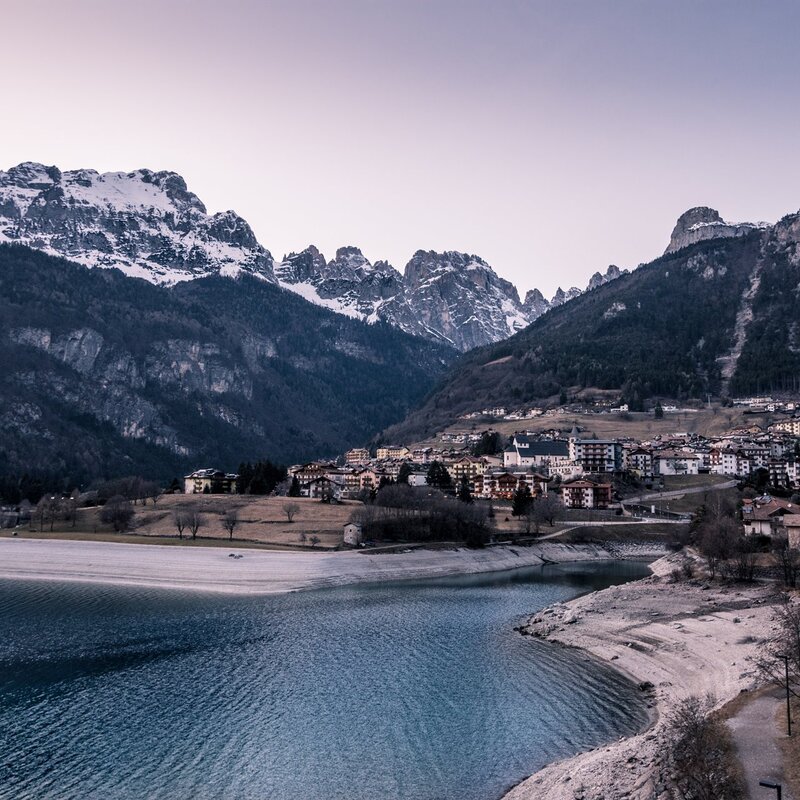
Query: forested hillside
x=103 y=374
x=679 y=327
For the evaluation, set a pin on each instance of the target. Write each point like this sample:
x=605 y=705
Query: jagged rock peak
x=561 y=297
x=301 y=267
x=703 y=223
x=145 y=223
x=598 y=279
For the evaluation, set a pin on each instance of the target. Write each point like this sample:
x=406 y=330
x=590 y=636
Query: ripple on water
x=414 y=691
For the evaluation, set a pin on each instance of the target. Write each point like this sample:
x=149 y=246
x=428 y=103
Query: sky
x=550 y=138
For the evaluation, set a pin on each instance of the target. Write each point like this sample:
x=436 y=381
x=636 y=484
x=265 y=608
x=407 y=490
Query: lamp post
x=770 y=785
x=788 y=706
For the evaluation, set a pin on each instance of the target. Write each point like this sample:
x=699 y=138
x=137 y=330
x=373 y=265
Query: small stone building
x=353 y=534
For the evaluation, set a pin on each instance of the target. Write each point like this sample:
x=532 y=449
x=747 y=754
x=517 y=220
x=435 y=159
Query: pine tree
x=294 y=489
x=405 y=471
x=464 y=492
x=439 y=477
x=520 y=501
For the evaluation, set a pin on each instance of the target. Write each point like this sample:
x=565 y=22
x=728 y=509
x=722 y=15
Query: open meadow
x=260 y=521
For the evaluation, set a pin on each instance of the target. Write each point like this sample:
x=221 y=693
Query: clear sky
x=552 y=138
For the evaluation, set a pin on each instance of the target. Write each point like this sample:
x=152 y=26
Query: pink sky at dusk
x=550 y=138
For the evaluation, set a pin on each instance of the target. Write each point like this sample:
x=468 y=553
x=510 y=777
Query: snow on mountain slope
x=145 y=223
x=149 y=225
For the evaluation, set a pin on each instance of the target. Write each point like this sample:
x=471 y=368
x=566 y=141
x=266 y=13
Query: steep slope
x=715 y=316
x=105 y=374
x=145 y=223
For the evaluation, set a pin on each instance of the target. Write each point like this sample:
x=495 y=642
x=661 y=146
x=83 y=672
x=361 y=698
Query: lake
x=402 y=691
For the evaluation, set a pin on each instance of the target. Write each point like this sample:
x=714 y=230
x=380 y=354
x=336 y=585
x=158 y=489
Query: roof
x=544 y=447
x=766 y=507
x=210 y=473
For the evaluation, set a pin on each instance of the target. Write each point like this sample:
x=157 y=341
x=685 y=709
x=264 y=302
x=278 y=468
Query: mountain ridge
x=149 y=225
x=714 y=316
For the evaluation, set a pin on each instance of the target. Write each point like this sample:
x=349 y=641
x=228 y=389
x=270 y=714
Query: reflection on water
x=416 y=690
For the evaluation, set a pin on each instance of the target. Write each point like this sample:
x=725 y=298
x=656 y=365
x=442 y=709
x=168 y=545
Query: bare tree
x=194 y=521
x=45 y=512
x=787 y=558
x=783 y=652
x=230 y=519
x=179 y=521
x=290 y=509
x=718 y=539
x=152 y=490
x=314 y=540
x=118 y=512
x=701 y=753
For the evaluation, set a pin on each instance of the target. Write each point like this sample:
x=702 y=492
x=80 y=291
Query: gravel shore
x=674 y=639
x=249 y=571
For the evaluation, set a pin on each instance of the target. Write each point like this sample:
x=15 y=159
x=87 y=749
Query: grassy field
x=657 y=532
x=638 y=426
x=262 y=521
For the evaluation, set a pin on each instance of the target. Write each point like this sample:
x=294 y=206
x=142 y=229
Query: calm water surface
x=406 y=691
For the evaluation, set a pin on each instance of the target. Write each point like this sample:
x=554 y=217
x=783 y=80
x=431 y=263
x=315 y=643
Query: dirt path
x=755 y=733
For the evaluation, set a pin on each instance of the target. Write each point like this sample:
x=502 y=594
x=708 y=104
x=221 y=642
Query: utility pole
x=788 y=705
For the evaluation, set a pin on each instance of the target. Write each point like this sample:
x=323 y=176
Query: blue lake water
x=404 y=691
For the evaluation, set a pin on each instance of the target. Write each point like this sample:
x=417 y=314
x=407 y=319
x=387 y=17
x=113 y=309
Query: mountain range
x=149 y=225
x=102 y=374
x=717 y=314
x=194 y=345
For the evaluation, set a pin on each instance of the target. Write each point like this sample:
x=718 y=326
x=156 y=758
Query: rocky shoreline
x=673 y=639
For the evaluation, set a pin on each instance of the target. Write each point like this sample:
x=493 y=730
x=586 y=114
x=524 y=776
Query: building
x=392 y=451
x=418 y=479
x=210 y=481
x=353 y=534
x=676 y=462
x=640 y=462
x=585 y=494
x=467 y=467
x=792 y=524
x=791 y=426
x=595 y=455
x=542 y=454
x=323 y=488
x=764 y=515
x=357 y=456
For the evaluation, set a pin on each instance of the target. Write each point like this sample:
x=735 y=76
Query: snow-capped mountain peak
x=147 y=224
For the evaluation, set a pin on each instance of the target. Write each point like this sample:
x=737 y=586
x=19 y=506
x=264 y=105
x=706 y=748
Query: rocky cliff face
x=451 y=297
x=101 y=374
x=702 y=223
x=148 y=224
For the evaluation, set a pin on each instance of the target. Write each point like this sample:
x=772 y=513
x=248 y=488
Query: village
x=582 y=471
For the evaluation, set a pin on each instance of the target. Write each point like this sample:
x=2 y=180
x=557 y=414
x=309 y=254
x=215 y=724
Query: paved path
x=755 y=734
